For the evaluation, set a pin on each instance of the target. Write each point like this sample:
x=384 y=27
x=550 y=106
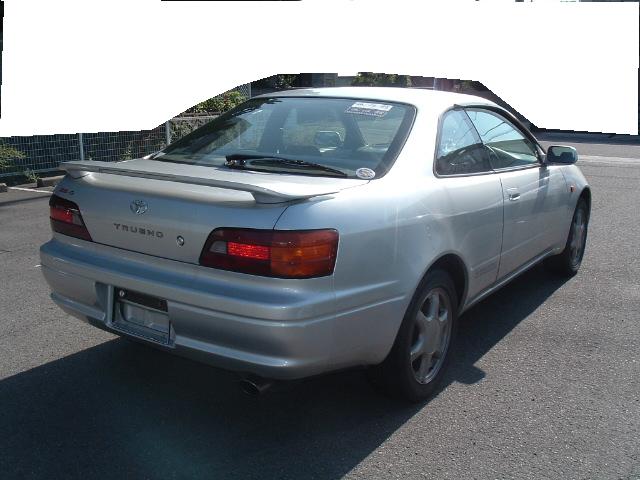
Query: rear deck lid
x=168 y=210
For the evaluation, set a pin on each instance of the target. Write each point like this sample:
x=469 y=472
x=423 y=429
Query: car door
x=533 y=193
x=471 y=196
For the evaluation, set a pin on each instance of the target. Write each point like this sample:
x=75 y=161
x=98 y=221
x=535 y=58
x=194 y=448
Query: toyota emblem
x=139 y=207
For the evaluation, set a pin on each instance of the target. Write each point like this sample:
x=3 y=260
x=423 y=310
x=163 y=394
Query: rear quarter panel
x=391 y=231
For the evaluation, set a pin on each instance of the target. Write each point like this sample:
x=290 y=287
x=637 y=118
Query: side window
x=460 y=150
x=509 y=147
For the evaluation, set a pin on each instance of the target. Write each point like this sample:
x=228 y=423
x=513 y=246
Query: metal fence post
x=167 y=131
x=249 y=90
x=81 y=146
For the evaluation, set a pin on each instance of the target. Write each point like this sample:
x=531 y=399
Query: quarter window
x=509 y=147
x=460 y=150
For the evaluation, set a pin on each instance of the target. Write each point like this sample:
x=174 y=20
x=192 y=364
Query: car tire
x=568 y=262
x=419 y=356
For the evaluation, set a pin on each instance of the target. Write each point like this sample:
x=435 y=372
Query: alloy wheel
x=578 y=236
x=431 y=335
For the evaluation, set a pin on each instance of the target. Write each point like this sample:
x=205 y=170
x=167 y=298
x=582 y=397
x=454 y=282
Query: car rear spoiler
x=263 y=188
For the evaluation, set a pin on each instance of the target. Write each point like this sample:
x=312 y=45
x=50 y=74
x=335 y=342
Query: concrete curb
x=49 y=181
x=3 y=187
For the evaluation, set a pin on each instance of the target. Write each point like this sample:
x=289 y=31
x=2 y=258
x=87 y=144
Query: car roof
x=420 y=97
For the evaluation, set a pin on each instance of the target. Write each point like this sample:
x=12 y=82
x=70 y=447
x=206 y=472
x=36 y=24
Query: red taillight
x=66 y=218
x=272 y=253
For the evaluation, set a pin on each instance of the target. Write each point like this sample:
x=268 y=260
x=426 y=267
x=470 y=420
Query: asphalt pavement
x=545 y=381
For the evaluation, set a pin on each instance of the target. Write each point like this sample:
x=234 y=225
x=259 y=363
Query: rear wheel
x=568 y=262
x=418 y=358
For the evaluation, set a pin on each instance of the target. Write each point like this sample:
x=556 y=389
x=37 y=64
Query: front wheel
x=418 y=358
x=568 y=262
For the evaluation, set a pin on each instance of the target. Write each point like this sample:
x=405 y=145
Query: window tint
x=339 y=133
x=240 y=133
x=509 y=147
x=304 y=124
x=379 y=131
x=460 y=150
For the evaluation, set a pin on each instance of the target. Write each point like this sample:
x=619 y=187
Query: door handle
x=513 y=194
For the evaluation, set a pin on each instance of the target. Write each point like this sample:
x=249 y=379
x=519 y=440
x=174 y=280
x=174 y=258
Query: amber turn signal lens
x=304 y=254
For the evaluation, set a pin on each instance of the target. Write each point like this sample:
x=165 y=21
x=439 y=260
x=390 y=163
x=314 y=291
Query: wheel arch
x=586 y=194
x=452 y=264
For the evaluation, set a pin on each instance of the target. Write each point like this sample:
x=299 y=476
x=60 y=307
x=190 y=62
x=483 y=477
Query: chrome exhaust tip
x=255 y=386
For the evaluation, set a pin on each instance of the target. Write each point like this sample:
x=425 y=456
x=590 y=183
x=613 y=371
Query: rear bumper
x=281 y=329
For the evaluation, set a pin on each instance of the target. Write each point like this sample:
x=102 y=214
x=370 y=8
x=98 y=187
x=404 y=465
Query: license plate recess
x=141 y=315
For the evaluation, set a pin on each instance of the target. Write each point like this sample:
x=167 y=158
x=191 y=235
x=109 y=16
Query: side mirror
x=561 y=154
x=327 y=139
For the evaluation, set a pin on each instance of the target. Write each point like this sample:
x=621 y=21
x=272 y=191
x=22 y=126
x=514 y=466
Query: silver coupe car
x=314 y=230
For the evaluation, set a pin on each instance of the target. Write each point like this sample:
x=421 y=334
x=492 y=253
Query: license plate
x=141 y=315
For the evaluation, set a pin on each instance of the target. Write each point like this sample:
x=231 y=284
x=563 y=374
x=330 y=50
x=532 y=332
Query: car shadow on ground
x=123 y=410
x=485 y=324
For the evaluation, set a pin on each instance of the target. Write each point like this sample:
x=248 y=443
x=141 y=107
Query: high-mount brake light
x=66 y=218
x=272 y=253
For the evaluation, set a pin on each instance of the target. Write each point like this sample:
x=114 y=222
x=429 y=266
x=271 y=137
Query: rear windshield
x=342 y=134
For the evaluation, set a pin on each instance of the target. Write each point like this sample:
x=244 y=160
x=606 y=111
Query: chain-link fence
x=44 y=153
x=245 y=90
x=180 y=126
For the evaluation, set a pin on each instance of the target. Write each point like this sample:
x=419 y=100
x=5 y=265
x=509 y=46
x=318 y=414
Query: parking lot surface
x=545 y=381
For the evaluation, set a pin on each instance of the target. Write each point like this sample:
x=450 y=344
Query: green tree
x=284 y=81
x=219 y=104
x=8 y=154
x=369 y=79
x=277 y=82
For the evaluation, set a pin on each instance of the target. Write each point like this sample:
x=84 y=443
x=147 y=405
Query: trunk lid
x=168 y=210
